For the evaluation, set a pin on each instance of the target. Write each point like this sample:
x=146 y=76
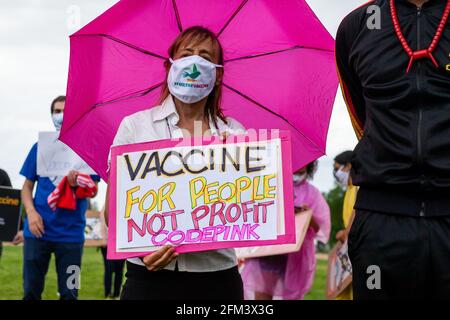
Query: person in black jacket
x=396 y=82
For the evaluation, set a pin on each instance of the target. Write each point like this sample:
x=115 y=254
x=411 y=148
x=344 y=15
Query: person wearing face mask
x=290 y=276
x=60 y=232
x=341 y=172
x=189 y=106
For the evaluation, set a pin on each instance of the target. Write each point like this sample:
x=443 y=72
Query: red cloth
x=65 y=197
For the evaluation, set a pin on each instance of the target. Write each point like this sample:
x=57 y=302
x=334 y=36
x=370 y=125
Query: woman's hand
x=159 y=259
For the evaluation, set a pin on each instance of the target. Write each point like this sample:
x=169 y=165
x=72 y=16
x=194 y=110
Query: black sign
x=10 y=213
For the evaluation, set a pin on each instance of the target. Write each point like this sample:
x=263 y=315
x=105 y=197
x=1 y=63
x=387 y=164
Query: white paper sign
x=57 y=159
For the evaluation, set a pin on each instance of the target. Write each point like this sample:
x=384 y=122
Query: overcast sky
x=34 y=56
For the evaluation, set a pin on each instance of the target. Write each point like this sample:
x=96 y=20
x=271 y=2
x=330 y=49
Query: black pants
x=142 y=284
x=400 y=257
x=113 y=270
x=36 y=258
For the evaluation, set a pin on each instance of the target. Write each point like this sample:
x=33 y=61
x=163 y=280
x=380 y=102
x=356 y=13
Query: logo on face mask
x=192 y=74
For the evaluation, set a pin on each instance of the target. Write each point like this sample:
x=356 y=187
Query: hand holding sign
x=159 y=259
x=72 y=178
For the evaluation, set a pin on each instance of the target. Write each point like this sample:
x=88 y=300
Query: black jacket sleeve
x=350 y=85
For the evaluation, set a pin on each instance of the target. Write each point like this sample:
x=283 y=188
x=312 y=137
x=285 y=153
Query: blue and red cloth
x=65 y=197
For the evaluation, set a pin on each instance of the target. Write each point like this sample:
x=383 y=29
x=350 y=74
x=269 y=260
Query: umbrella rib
x=136 y=94
x=243 y=3
x=122 y=42
x=275 y=52
x=272 y=112
x=133 y=95
x=177 y=15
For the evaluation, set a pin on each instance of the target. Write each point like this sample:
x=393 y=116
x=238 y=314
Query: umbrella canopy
x=279 y=69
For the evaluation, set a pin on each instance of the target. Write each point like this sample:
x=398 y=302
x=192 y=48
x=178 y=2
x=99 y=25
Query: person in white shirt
x=189 y=100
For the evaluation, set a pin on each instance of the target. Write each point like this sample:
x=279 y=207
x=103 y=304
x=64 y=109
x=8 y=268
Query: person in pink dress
x=290 y=276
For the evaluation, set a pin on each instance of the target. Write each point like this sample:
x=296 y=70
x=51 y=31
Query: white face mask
x=299 y=178
x=342 y=177
x=57 y=120
x=191 y=78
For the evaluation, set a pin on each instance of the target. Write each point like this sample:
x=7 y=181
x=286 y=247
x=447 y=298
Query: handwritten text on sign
x=198 y=194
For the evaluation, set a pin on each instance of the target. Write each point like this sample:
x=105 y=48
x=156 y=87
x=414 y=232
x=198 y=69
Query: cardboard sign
x=200 y=194
x=57 y=159
x=339 y=270
x=10 y=213
x=301 y=226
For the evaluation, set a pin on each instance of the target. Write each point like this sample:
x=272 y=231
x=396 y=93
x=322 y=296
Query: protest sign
x=10 y=213
x=302 y=220
x=57 y=159
x=93 y=231
x=339 y=274
x=200 y=194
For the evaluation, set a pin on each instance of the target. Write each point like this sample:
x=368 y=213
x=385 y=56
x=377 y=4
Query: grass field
x=92 y=277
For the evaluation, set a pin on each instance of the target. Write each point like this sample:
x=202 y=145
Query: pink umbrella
x=279 y=69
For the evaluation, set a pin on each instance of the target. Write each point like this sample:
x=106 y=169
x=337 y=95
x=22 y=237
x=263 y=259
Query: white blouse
x=160 y=123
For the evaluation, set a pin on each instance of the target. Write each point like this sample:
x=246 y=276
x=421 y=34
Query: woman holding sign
x=188 y=107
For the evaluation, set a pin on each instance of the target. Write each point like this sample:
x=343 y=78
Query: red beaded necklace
x=425 y=53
